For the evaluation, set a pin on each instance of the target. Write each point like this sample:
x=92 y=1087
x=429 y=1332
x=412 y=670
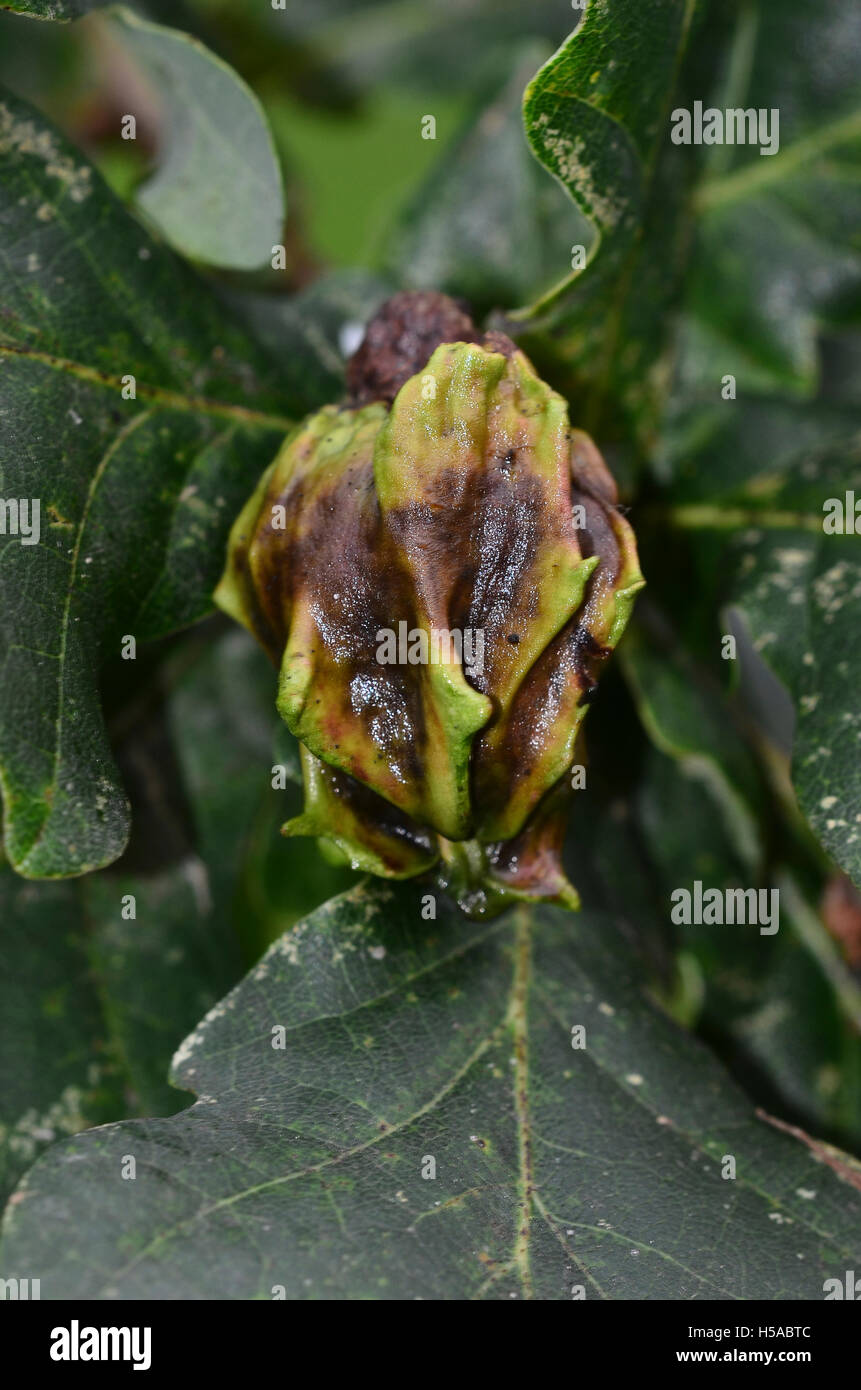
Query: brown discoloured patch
x=566 y=674
x=329 y=581
x=478 y=532
x=531 y=863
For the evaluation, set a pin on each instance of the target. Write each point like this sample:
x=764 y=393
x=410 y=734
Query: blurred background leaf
x=488 y=224
x=216 y=193
x=777 y=250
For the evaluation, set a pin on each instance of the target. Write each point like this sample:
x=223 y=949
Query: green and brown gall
x=450 y=494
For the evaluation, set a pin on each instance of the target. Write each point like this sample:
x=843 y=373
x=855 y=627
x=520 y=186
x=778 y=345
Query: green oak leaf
x=107 y=975
x=597 y=117
x=136 y=495
x=782 y=1010
x=391 y=1107
x=172 y=960
x=216 y=194
x=596 y=123
x=810 y=646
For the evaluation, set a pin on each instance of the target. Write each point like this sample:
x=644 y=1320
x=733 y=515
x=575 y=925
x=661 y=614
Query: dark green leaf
x=217 y=194
x=178 y=954
x=136 y=496
x=595 y=113
x=762 y=428
x=597 y=116
x=408 y=1041
x=809 y=641
x=782 y=1009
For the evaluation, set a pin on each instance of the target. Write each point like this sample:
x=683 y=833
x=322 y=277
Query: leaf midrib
x=157 y=395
